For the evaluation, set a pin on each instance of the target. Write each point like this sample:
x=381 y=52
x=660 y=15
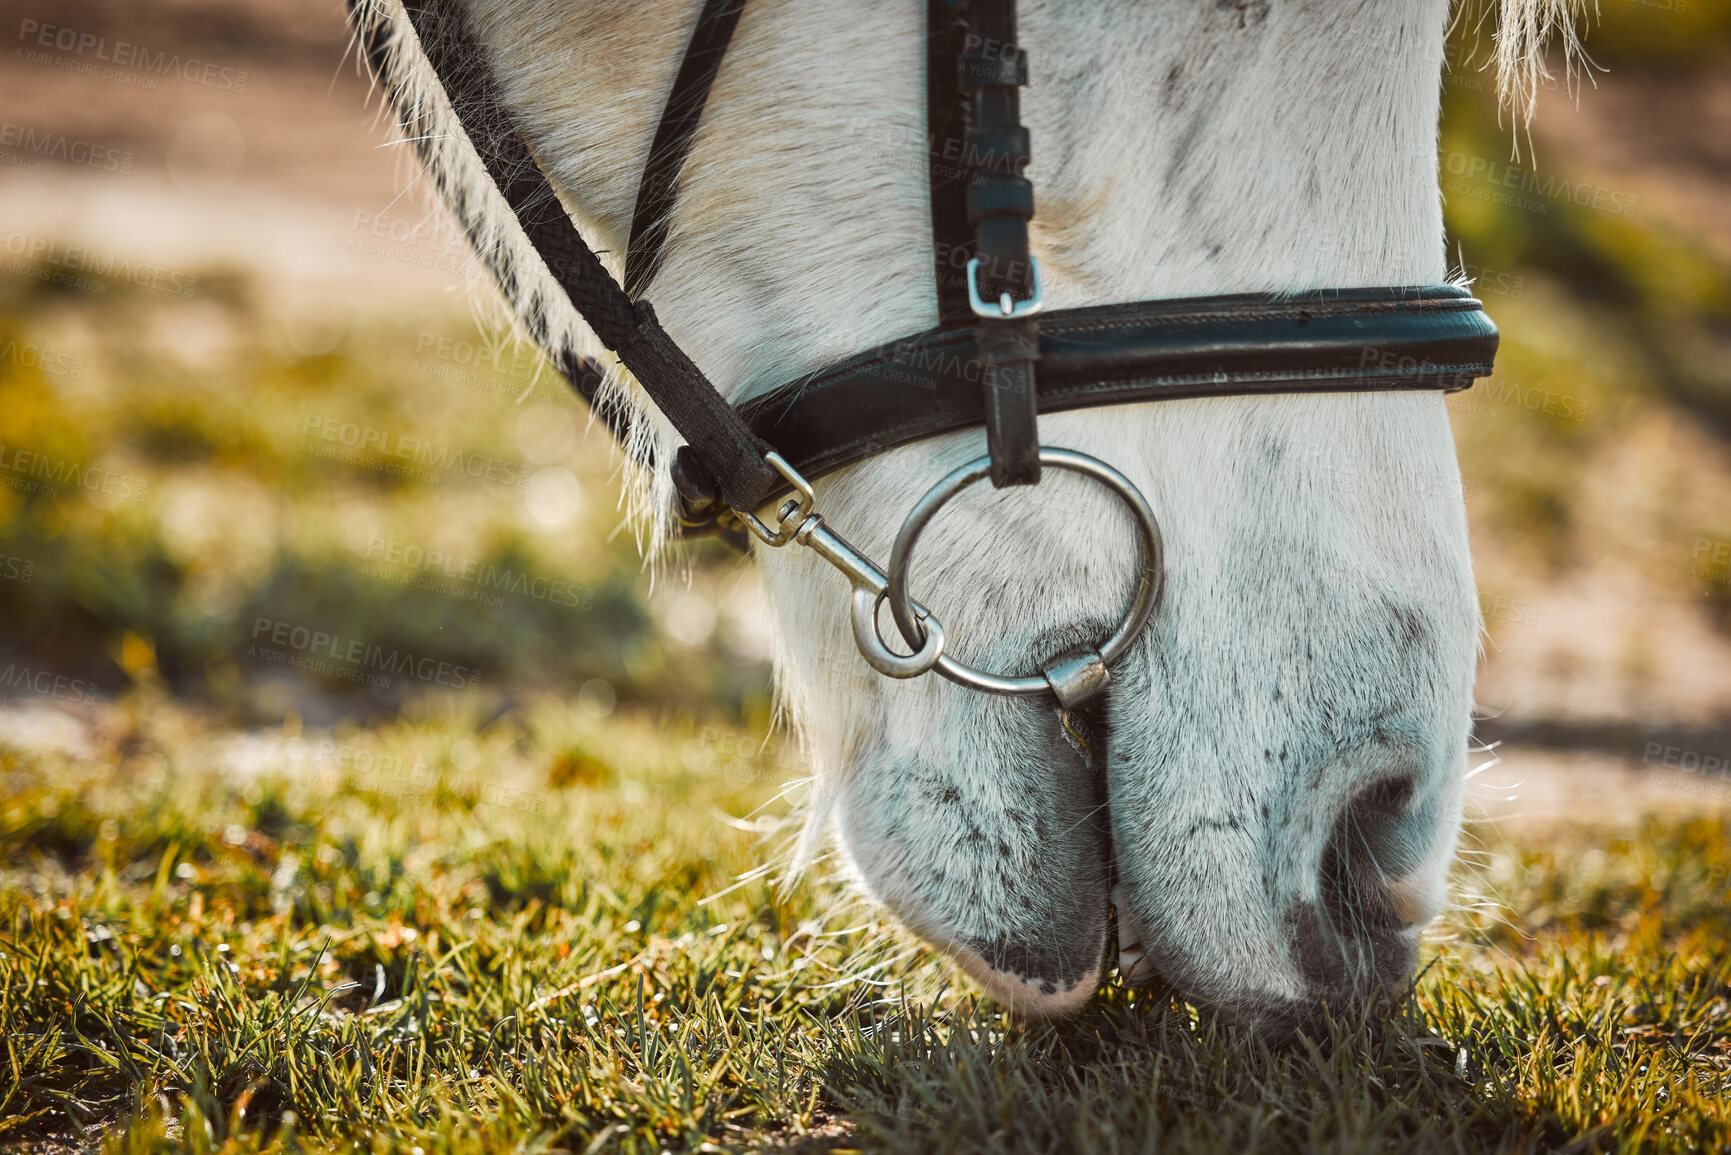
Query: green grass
x=453 y=935
x=504 y=922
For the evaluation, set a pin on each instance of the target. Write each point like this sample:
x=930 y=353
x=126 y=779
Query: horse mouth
x=1135 y=967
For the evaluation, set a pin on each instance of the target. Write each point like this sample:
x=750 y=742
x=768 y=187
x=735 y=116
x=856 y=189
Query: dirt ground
x=277 y=162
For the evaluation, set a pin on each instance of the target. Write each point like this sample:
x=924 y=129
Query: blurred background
x=266 y=448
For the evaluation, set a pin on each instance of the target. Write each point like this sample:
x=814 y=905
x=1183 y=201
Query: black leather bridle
x=995 y=359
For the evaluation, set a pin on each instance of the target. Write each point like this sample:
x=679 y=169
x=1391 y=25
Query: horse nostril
x=1380 y=837
x=1352 y=938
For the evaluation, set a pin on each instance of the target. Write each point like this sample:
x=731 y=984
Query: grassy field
x=258 y=894
x=541 y=931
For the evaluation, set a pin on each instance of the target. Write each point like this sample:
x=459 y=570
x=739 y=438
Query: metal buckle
x=1005 y=308
x=1072 y=677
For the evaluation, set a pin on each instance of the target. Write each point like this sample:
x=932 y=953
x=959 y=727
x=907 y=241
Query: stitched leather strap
x=1331 y=341
x=990 y=73
x=946 y=129
x=658 y=190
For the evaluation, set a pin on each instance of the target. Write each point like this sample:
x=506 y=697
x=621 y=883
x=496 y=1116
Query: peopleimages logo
x=1702 y=774
x=76 y=259
x=59 y=146
x=124 y=54
x=1508 y=609
x=1538 y=400
x=952 y=158
x=45 y=683
x=1694 y=761
x=319 y=652
x=1520 y=180
x=511 y=358
x=1492 y=395
x=1711 y=560
x=395 y=239
x=516 y=368
x=362 y=445
x=470 y=578
x=36 y=473
x=33 y=356
x=1486 y=281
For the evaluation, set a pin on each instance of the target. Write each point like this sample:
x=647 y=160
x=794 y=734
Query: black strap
x=946 y=132
x=1346 y=340
x=658 y=190
x=733 y=468
x=991 y=71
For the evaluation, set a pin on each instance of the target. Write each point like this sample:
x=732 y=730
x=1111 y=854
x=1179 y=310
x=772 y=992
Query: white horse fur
x=1277 y=790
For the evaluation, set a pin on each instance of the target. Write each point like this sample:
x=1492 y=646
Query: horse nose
x=1328 y=947
x=1383 y=830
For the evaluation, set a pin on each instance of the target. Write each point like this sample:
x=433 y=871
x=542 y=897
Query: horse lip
x=1036 y=997
x=1135 y=967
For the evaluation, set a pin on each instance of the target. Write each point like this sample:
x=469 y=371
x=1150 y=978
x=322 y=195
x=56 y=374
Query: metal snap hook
x=792 y=516
x=871 y=643
x=1071 y=678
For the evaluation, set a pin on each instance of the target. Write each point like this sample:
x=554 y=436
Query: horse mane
x=1525 y=29
x=385 y=40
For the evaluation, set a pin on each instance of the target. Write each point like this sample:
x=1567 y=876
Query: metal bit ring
x=1148 y=586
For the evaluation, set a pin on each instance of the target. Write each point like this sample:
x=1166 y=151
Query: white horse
x=1270 y=798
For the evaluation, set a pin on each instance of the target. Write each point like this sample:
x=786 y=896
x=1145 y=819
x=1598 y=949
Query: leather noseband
x=1359 y=340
